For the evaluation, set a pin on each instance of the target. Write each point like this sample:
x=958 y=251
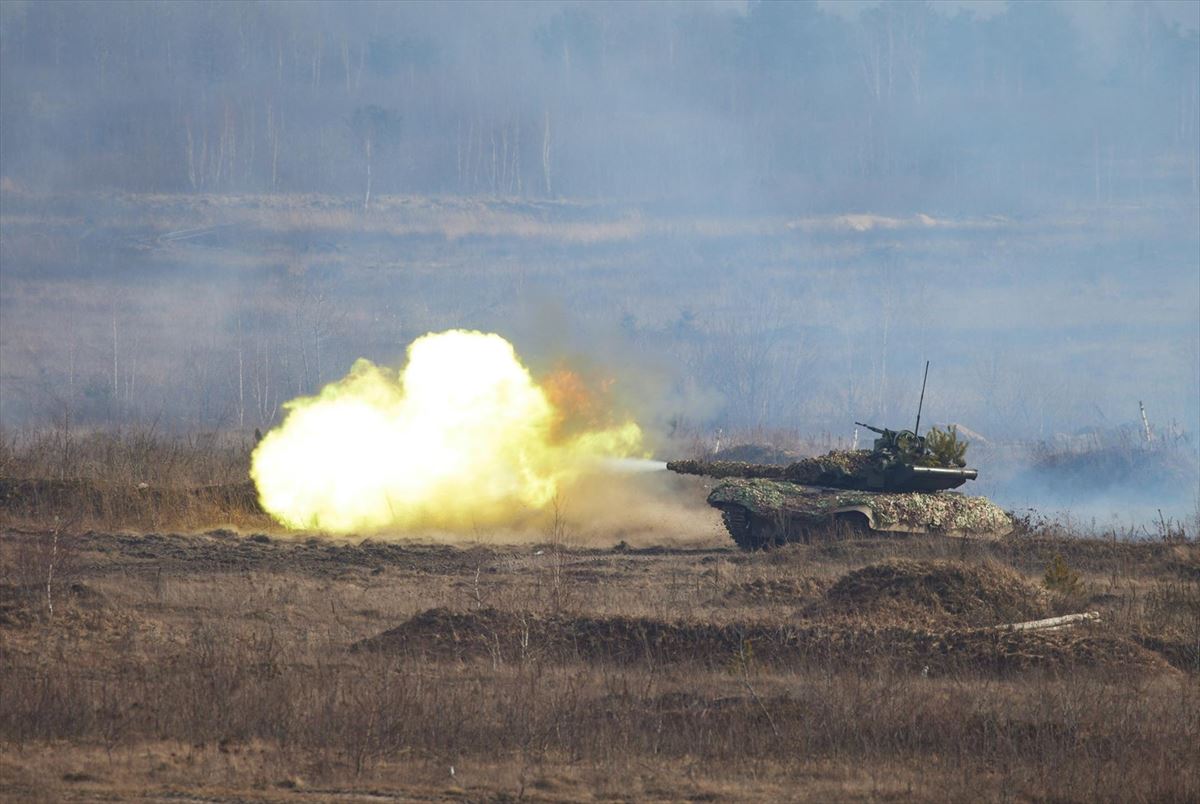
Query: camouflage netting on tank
x=821 y=470
x=829 y=467
x=724 y=469
x=761 y=496
x=941 y=512
x=944 y=512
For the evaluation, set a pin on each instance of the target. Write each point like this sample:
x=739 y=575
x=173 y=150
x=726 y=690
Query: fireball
x=462 y=436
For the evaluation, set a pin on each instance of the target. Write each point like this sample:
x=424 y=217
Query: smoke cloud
x=461 y=437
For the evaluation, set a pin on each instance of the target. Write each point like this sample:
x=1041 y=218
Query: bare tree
x=374 y=127
x=546 y=155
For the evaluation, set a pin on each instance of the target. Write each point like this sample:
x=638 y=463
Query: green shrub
x=945 y=447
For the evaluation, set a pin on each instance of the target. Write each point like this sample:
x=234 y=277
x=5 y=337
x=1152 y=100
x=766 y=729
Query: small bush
x=1059 y=578
x=945 y=448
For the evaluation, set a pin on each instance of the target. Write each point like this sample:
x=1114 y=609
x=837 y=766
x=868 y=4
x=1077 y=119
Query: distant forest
x=754 y=107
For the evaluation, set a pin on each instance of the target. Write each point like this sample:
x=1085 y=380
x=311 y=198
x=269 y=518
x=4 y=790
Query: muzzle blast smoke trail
x=631 y=466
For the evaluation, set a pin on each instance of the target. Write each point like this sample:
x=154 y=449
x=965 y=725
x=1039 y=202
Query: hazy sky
x=746 y=192
x=1098 y=17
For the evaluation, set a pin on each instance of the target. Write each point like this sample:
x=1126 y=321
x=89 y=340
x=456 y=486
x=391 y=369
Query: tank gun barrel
x=934 y=478
x=724 y=469
x=872 y=428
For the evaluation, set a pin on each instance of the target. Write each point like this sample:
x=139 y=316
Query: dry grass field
x=166 y=643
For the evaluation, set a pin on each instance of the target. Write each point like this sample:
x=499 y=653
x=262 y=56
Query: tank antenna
x=921 y=404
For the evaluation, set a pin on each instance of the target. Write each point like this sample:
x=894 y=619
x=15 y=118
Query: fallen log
x=1052 y=623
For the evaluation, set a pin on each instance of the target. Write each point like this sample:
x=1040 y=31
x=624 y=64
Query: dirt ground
x=244 y=667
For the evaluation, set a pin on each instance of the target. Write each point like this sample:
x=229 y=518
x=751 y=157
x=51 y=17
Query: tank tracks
x=748 y=531
x=737 y=522
x=753 y=532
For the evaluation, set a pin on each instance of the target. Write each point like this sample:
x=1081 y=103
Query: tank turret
x=901 y=461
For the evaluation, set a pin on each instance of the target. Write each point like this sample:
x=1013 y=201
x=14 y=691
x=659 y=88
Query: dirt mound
x=441 y=633
x=1180 y=650
x=22 y=604
x=763 y=590
x=944 y=591
x=521 y=636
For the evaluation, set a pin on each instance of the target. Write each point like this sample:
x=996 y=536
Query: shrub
x=1061 y=579
x=945 y=447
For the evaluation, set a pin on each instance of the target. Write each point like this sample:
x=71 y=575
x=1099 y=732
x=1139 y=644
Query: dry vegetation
x=142 y=660
x=134 y=478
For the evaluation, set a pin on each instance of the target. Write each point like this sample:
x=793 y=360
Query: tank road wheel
x=834 y=528
x=737 y=522
x=768 y=532
x=851 y=525
x=749 y=531
x=839 y=527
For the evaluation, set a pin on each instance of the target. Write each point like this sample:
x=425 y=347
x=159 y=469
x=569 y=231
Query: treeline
x=776 y=103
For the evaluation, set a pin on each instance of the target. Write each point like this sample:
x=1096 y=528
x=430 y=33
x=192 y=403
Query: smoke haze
x=753 y=216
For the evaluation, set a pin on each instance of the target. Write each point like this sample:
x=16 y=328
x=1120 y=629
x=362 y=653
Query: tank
x=902 y=485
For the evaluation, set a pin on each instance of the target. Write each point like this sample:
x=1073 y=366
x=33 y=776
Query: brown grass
x=126 y=457
x=134 y=479
x=255 y=667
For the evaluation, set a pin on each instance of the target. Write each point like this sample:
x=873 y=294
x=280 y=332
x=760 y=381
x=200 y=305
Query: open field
x=345 y=347
x=211 y=311
x=161 y=638
x=189 y=663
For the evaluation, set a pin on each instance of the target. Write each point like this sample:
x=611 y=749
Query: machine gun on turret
x=897 y=442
